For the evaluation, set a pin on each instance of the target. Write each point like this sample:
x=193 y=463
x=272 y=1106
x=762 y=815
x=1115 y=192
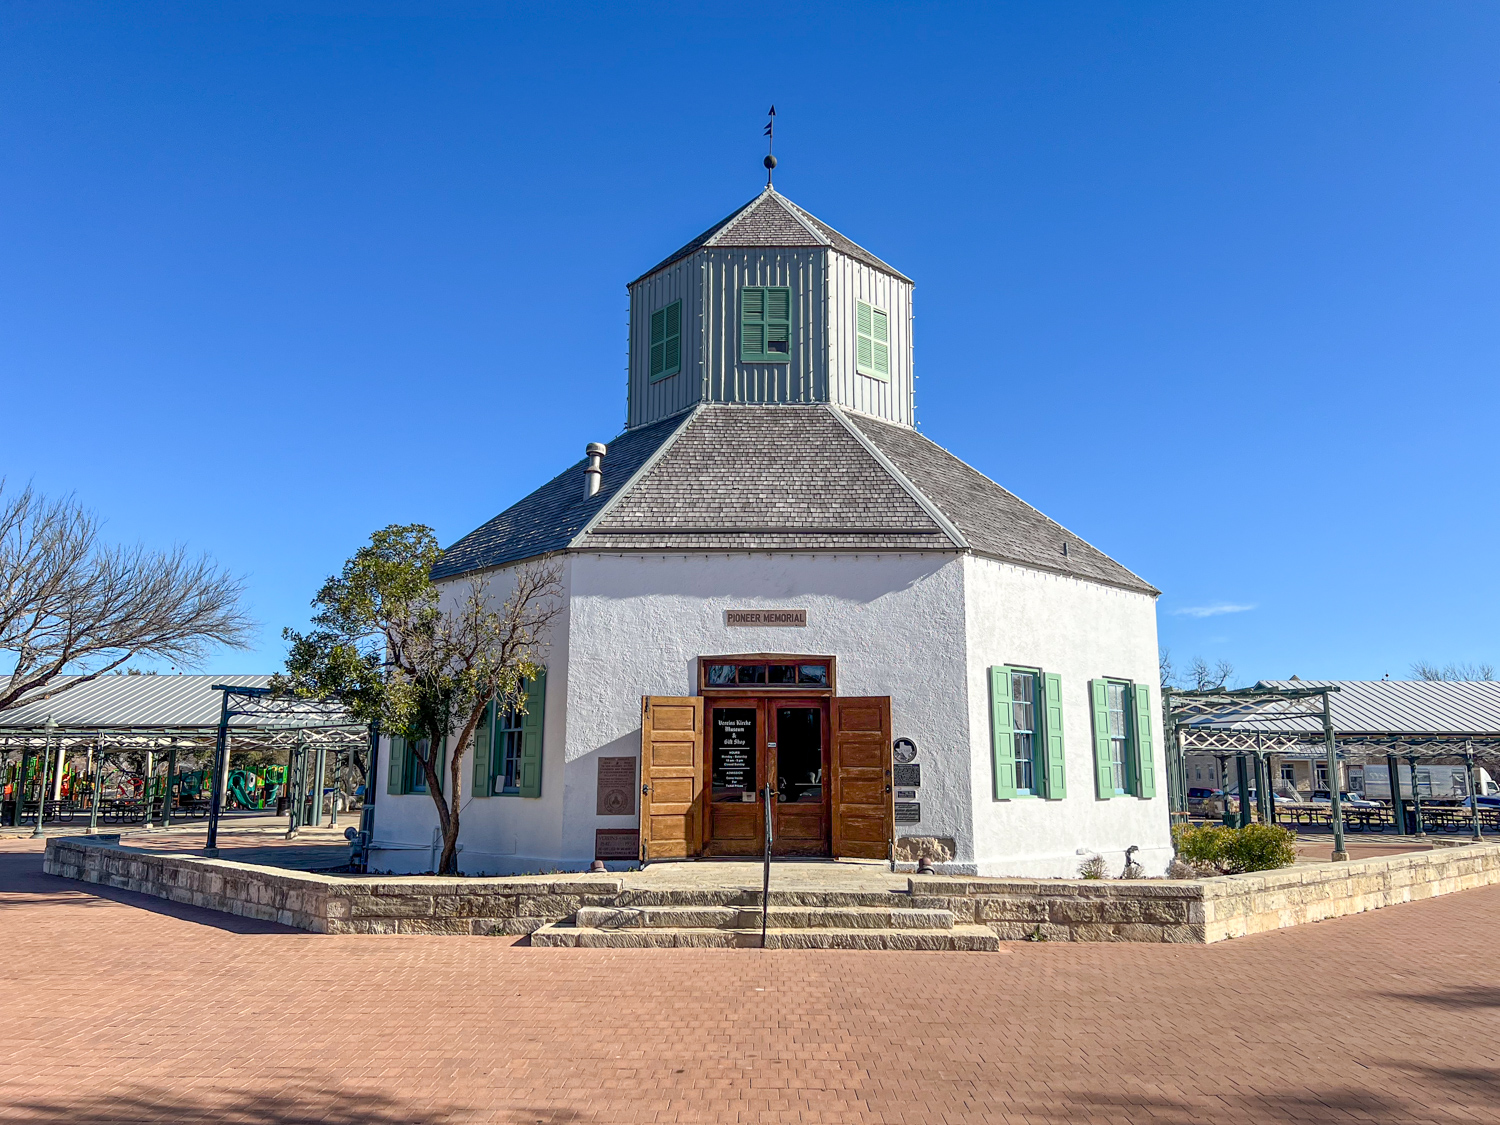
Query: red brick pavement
x=116 y=1007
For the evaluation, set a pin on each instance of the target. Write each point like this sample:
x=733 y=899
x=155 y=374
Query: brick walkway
x=118 y=1008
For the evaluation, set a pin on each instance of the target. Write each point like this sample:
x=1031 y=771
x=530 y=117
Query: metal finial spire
x=770 y=134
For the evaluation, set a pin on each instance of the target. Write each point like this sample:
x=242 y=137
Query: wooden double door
x=705 y=764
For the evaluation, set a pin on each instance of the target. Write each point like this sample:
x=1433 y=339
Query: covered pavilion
x=1338 y=723
x=135 y=731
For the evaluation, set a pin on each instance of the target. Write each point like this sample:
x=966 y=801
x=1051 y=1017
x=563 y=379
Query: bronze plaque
x=616 y=787
x=765 y=617
x=617 y=843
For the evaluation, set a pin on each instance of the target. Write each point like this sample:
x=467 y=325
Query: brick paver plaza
x=118 y=1007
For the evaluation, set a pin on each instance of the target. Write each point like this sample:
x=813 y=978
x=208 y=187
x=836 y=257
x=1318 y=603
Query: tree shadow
x=1292 y=1108
x=1478 y=996
x=24 y=885
x=262 y=1107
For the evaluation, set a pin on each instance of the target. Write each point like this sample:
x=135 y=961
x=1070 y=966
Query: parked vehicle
x=1353 y=800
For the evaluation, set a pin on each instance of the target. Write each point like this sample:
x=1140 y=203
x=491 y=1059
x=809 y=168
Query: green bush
x=1231 y=851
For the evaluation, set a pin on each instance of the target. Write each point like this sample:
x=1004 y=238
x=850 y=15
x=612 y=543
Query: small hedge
x=1233 y=851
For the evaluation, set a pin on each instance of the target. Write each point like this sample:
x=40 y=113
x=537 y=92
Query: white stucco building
x=779 y=582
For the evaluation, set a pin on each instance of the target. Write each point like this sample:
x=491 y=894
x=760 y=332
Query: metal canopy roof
x=1371 y=709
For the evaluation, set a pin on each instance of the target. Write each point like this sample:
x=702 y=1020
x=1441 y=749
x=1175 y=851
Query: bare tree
x=385 y=646
x=1452 y=673
x=1167 y=674
x=1205 y=678
x=74 y=607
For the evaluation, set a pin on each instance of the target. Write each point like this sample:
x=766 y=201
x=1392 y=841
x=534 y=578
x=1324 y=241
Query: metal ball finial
x=769 y=162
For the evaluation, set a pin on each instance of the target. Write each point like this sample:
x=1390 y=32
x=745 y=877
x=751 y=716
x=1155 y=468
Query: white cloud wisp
x=1218 y=609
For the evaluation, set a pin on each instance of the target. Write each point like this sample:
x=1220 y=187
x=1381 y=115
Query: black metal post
x=1335 y=796
x=1242 y=782
x=1271 y=786
x=20 y=786
x=41 y=794
x=1473 y=789
x=765 y=890
x=1416 y=795
x=367 y=809
x=211 y=848
x=98 y=783
x=166 y=795
x=1398 y=817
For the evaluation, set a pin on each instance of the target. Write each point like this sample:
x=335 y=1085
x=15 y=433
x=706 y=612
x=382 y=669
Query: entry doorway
x=755 y=741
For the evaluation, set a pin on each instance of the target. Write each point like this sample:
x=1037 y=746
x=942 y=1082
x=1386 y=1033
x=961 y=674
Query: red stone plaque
x=617 y=843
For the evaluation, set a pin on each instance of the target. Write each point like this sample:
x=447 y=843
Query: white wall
x=500 y=835
x=894 y=622
x=1081 y=631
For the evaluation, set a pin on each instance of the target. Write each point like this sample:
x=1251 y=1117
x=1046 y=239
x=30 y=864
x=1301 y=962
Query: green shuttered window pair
x=765 y=325
x=1123 y=760
x=508 y=746
x=873 y=341
x=666 y=341
x=1026 y=733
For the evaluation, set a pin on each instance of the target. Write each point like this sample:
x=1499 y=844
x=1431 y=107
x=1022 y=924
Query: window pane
x=812 y=673
x=781 y=674
x=752 y=674
x=1023 y=726
x=721 y=673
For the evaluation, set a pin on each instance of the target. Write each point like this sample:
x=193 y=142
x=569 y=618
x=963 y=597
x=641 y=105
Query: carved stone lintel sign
x=765 y=617
x=617 y=843
x=616 y=787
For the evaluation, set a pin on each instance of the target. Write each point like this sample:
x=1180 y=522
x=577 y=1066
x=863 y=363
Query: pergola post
x=320 y=765
x=166 y=794
x=367 y=807
x=146 y=773
x=1271 y=786
x=333 y=806
x=98 y=761
x=19 y=788
x=1242 y=782
x=1398 y=819
x=1335 y=797
x=1474 y=789
x=41 y=792
x=215 y=800
x=1416 y=795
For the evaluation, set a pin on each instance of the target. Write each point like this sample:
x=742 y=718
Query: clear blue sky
x=1213 y=285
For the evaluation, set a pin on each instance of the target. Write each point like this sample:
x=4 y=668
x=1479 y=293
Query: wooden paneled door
x=864 y=814
x=736 y=769
x=671 y=776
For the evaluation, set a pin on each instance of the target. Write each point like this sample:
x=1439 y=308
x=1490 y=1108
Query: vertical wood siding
x=647 y=401
x=728 y=270
x=850 y=281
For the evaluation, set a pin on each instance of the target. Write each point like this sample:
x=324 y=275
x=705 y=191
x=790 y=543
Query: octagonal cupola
x=770 y=305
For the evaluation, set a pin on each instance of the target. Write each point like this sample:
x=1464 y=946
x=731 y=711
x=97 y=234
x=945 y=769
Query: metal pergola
x=1256 y=724
x=250 y=717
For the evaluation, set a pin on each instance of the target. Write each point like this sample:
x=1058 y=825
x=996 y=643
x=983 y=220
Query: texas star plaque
x=616 y=787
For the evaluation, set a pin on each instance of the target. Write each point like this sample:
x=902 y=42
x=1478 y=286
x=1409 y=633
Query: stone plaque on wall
x=908 y=812
x=616 y=787
x=908 y=775
x=617 y=843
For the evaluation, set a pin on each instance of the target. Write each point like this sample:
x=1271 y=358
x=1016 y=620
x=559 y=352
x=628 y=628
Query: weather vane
x=770 y=135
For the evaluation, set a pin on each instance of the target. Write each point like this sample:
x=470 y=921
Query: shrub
x=1177 y=869
x=1092 y=868
x=1232 y=851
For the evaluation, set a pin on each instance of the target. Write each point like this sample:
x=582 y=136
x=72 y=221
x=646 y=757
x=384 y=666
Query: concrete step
x=781 y=918
x=558 y=935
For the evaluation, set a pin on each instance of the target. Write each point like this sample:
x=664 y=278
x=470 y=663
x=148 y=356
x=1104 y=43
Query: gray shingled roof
x=771 y=219
x=995 y=522
x=549 y=518
x=743 y=477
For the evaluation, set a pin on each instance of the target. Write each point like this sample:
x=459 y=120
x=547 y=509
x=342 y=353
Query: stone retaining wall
x=1152 y=910
x=332 y=904
x=1205 y=910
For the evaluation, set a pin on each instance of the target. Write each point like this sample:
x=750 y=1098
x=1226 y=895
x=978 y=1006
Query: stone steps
x=821 y=917
x=558 y=935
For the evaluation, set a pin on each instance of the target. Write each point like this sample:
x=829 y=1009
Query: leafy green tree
x=421 y=659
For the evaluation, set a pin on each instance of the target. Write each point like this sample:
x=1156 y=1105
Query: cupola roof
x=771 y=219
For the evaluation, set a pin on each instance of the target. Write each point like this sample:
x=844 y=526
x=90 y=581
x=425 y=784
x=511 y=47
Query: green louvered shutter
x=1144 y=765
x=752 y=324
x=483 y=737
x=1055 y=784
x=658 y=342
x=672 y=361
x=396 y=767
x=778 y=323
x=1104 y=773
x=882 y=343
x=1002 y=745
x=531 y=736
x=864 y=359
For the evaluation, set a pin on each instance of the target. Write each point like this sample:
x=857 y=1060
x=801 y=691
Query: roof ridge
x=796 y=212
x=862 y=249
x=645 y=467
x=923 y=501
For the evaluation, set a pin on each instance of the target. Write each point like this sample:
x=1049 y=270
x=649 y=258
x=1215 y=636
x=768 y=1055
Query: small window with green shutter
x=517 y=754
x=1026 y=733
x=666 y=341
x=765 y=324
x=483 y=750
x=395 y=767
x=873 y=341
x=1123 y=764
